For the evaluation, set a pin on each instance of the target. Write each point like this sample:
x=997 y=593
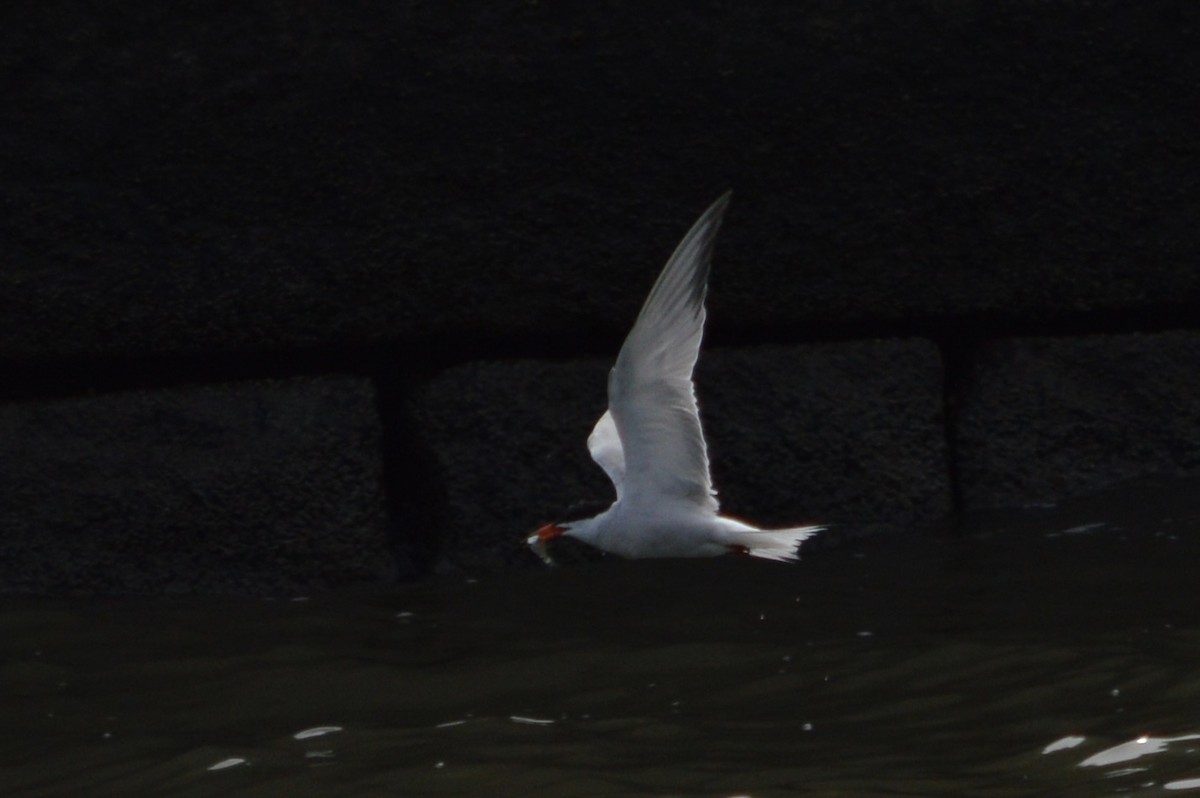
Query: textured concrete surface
x=252 y=176
x=263 y=488
x=1042 y=419
x=845 y=433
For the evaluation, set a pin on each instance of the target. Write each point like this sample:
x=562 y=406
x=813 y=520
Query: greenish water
x=1051 y=652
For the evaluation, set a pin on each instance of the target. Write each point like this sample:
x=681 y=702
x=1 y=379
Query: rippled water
x=1050 y=652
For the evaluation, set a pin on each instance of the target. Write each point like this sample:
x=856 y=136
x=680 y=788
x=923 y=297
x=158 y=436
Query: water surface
x=1051 y=651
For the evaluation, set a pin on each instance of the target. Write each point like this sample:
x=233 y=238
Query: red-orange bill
x=548 y=532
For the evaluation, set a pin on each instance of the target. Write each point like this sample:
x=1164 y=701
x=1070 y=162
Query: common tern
x=649 y=441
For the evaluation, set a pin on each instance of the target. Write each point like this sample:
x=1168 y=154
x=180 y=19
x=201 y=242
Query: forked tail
x=775 y=544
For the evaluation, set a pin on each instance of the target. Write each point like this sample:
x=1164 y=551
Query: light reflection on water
x=1134 y=749
x=1054 y=652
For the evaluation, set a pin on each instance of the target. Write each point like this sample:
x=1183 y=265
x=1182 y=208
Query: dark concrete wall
x=261 y=487
x=937 y=206
x=1066 y=415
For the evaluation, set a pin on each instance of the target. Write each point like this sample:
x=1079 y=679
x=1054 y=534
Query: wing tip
x=713 y=214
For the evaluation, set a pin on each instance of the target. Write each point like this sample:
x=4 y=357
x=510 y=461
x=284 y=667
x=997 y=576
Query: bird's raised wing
x=651 y=400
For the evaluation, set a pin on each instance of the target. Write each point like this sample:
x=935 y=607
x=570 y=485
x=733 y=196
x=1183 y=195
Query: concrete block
x=265 y=487
x=1041 y=419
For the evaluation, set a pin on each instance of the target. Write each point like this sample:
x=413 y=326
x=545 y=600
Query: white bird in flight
x=649 y=441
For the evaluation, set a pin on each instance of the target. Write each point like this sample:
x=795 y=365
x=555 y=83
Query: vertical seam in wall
x=954 y=360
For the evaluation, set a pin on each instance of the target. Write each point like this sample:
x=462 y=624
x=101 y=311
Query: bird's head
x=583 y=530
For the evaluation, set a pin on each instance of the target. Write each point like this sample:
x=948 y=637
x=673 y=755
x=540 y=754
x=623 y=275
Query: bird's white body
x=681 y=531
x=650 y=442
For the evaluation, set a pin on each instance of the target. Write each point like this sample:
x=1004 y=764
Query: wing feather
x=651 y=398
